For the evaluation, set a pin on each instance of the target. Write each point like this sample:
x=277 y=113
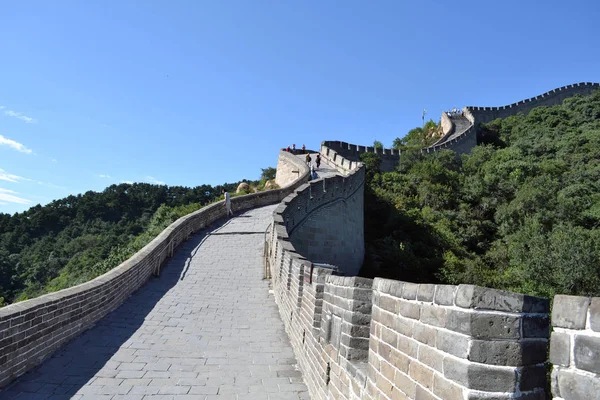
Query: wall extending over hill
x=32 y=330
x=553 y=97
x=345 y=155
x=464 y=138
x=357 y=338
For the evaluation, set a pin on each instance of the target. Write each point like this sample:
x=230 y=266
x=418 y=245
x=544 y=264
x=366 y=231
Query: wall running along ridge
x=575 y=348
x=32 y=330
x=464 y=142
x=356 y=338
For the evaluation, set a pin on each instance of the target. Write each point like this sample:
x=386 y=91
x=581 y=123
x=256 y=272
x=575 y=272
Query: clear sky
x=191 y=92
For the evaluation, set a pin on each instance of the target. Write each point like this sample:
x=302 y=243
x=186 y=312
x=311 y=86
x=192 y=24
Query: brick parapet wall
x=32 y=330
x=289 y=168
x=324 y=220
x=575 y=348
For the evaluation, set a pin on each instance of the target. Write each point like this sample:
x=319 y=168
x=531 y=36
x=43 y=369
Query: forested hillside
x=521 y=213
x=75 y=239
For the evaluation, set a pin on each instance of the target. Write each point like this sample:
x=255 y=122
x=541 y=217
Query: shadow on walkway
x=69 y=369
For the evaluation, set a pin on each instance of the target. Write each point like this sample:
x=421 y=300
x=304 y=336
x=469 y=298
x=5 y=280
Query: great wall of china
x=356 y=338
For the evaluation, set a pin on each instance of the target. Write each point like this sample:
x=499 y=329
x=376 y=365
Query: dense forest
x=520 y=213
x=78 y=238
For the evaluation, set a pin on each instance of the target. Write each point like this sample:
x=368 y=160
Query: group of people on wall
x=313 y=173
x=293 y=149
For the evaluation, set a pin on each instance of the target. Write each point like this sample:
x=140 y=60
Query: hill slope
x=521 y=213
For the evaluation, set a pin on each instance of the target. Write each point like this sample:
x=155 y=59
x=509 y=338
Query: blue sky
x=194 y=92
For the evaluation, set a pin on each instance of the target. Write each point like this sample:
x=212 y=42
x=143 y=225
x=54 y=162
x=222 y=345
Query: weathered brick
x=405 y=384
x=421 y=374
x=409 y=291
x=576 y=386
x=595 y=314
x=477 y=297
x=560 y=349
x=444 y=295
x=446 y=389
x=480 y=376
x=452 y=343
x=424 y=334
x=433 y=315
x=508 y=352
x=425 y=292
x=431 y=357
x=409 y=309
x=587 y=353
x=424 y=394
x=570 y=311
x=484 y=325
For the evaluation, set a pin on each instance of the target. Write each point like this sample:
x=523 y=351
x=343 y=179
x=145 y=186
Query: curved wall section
x=289 y=168
x=342 y=154
x=324 y=221
x=551 y=98
x=32 y=330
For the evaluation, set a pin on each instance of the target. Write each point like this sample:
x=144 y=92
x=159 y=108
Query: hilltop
x=520 y=213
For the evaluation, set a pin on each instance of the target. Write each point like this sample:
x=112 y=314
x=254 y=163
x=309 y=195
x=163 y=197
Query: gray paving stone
x=207 y=327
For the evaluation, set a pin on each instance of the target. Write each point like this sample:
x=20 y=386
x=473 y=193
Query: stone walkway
x=207 y=328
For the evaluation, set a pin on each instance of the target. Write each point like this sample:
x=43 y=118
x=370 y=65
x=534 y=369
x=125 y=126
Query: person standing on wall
x=318 y=160
x=303 y=149
x=308 y=159
x=227 y=202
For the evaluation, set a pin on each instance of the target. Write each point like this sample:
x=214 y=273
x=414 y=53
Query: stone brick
x=595 y=314
x=389 y=336
x=421 y=374
x=532 y=377
x=452 y=343
x=433 y=315
x=425 y=292
x=477 y=297
x=536 y=326
x=431 y=357
x=570 y=311
x=423 y=394
x=560 y=349
x=445 y=389
x=483 y=377
x=404 y=383
x=409 y=309
x=399 y=360
x=408 y=346
x=484 y=325
x=575 y=386
x=424 y=334
x=403 y=326
x=388 y=303
x=587 y=353
x=444 y=295
x=508 y=352
x=409 y=291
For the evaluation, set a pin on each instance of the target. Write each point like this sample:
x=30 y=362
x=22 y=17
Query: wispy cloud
x=18 y=115
x=129 y=182
x=153 y=180
x=15 y=145
x=5 y=176
x=9 y=196
x=104 y=176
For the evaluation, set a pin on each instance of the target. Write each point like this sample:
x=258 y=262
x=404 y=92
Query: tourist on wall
x=303 y=149
x=227 y=202
x=308 y=159
x=318 y=160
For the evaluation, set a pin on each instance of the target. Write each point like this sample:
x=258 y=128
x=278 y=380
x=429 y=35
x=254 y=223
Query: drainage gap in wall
x=327 y=378
x=303 y=335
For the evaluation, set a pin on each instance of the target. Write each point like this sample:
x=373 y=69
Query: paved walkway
x=207 y=328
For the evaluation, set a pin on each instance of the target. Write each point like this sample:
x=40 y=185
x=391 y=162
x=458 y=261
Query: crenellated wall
x=289 y=169
x=355 y=338
x=32 y=330
x=324 y=220
x=575 y=348
x=551 y=98
x=345 y=156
